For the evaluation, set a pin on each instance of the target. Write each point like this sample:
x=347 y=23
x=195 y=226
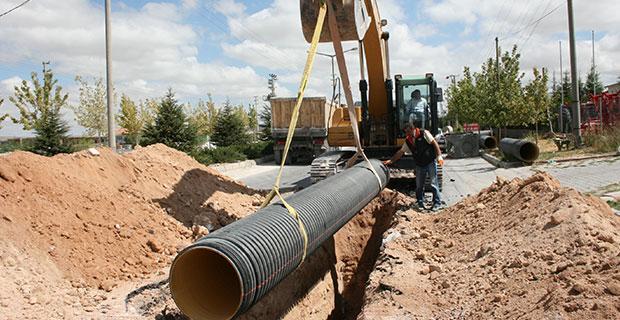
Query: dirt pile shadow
x=212 y=201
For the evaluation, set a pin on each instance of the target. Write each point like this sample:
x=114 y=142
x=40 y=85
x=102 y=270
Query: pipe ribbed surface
x=521 y=149
x=223 y=274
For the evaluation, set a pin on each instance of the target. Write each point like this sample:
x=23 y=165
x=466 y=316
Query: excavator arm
x=358 y=19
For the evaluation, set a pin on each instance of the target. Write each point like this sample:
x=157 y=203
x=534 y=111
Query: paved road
x=262 y=177
x=462 y=177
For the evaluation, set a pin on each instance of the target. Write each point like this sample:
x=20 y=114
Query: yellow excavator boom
x=351 y=24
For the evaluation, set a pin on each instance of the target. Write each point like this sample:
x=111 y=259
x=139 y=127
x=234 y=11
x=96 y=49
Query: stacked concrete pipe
x=223 y=274
x=523 y=150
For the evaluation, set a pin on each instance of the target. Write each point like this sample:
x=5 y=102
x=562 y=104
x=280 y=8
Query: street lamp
x=332 y=56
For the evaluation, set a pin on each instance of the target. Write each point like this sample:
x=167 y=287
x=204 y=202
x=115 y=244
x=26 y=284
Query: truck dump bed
x=313 y=118
x=310 y=131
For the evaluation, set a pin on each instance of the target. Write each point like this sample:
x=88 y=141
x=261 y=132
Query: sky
x=228 y=48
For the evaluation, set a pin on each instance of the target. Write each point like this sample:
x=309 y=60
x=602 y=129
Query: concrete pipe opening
x=529 y=152
x=205 y=284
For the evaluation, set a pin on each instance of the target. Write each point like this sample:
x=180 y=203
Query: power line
x=15 y=8
x=497 y=18
x=216 y=25
x=534 y=22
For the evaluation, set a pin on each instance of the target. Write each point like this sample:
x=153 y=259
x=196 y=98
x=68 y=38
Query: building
x=613 y=88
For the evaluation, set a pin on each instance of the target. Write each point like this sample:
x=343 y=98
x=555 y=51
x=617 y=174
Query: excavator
x=383 y=112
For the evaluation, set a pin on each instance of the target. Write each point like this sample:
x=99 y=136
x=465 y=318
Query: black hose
x=520 y=149
x=223 y=274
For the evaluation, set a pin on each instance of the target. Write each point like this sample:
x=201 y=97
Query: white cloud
x=450 y=11
x=189 y=4
x=230 y=7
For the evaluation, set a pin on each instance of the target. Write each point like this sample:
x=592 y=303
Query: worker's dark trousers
x=420 y=177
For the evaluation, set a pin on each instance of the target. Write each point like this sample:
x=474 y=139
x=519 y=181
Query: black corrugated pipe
x=223 y=274
x=521 y=149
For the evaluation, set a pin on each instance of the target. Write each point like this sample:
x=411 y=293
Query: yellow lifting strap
x=344 y=76
x=293 y=124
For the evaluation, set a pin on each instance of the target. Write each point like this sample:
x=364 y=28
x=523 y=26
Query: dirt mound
x=519 y=249
x=79 y=221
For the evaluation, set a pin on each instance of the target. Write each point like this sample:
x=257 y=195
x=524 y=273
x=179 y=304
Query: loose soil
x=74 y=227
x=524 y=249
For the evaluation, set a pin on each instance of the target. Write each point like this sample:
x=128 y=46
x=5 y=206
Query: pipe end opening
x=205 y=284
x=490 y=143
x=529 y=152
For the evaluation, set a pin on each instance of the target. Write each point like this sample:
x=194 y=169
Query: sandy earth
x=92 y=237
x=74 y=227
x=524 y=249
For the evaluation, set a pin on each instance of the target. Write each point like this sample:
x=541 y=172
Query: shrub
x=607 y=141
x=219 y=155
x=256 y=150
x=13 y=145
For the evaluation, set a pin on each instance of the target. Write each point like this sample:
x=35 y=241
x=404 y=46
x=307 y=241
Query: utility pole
x=256 y=109
x=497 y=94
x=497 y=61
x=332 y=56
x=561 y=90
x=272 y=85
x=575 y=108
x=600 y=101
x=110 y=93
x=453 y=80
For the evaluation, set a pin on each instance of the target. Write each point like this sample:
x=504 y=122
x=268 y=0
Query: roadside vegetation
x=209 y=133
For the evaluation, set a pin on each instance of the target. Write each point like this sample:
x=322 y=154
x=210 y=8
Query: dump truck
x=310 y=139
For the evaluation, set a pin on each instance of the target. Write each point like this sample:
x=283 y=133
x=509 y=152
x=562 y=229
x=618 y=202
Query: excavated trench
x=330 y=284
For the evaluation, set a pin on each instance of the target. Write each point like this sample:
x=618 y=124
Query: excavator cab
x=416 y=99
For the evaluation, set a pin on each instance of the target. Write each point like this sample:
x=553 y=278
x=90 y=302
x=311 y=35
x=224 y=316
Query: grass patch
x=614 y=204
x=594 y=144
x=606 y=141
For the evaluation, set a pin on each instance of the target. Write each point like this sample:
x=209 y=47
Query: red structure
x=603 y=107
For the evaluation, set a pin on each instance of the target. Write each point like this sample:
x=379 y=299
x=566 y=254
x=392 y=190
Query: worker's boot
x=419 y=207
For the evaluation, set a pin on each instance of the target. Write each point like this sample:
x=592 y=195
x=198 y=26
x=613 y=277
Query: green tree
x=51 y=134
x=593 y=84
x=510 y=93
x=537 y=100
x=242 y=114
x=204 y=116
x=35 y=103
x=91 y=113
x=4 y=116
x=148 y=111
x=40 y=110
x=171 y=126
x=462 y=99
x=230 y=128
x=265 y=122
x=129 y=119
x=253 y=120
